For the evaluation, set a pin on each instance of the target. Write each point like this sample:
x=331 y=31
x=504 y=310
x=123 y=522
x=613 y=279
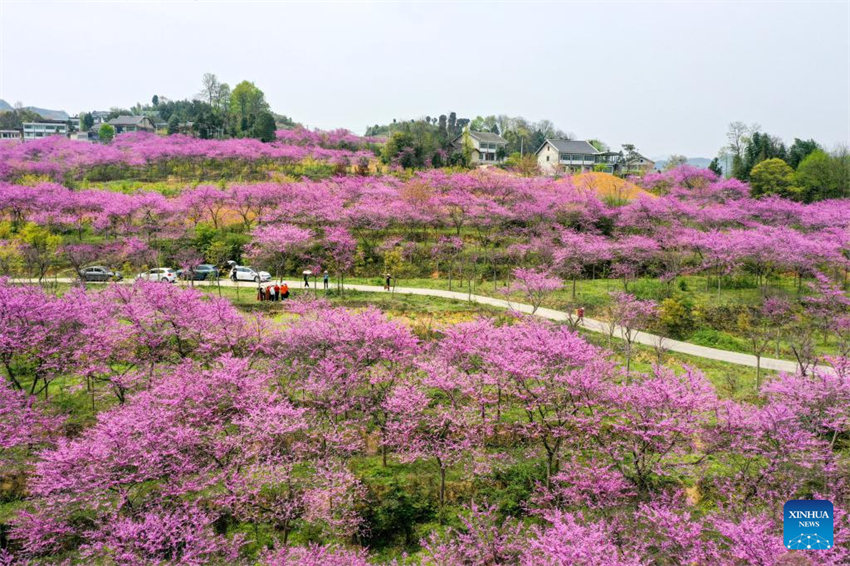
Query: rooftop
x=487 y=137
x=128 y=120
x=571 y=146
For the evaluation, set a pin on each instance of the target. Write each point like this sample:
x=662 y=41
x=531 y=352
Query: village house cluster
x=56 y=123
x=555 y=155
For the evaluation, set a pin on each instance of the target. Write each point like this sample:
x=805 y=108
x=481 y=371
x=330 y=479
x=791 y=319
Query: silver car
x=245 y=273
x=159 y=274
x=99 y=273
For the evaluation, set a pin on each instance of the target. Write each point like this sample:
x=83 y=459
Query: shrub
x=675 y=317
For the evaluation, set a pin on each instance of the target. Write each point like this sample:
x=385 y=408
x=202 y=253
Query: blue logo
x=808 y=524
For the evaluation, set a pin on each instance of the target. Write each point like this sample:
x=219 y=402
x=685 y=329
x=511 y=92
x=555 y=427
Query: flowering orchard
x=148 y=156
x=152 y=424
x=475 y=224
x=687 y=233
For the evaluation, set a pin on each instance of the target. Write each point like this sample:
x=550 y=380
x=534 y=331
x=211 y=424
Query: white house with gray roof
x=132 y=124
x=568 y=156
x=484 y=147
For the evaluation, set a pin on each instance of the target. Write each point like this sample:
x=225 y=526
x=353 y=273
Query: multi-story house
x=38 y=130
x=578 y=156
x=636 y=164
x=568 y=156
x=484 y=147
x=132 y=124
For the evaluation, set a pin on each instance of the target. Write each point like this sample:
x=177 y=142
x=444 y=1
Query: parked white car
x=245 y=273
x=159 y=274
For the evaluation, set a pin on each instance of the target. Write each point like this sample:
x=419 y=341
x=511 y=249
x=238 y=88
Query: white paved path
x=598 y=326
x=593 y=325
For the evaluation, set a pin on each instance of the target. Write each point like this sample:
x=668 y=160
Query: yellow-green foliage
x=39 y=238
x=33 y=180
x=675 y=317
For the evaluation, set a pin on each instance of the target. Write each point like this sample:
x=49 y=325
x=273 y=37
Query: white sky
x=666 y=76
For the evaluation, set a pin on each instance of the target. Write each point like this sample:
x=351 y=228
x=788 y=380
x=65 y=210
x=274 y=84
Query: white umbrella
x=307 y=272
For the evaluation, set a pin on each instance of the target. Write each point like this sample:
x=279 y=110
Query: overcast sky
x=668 y=77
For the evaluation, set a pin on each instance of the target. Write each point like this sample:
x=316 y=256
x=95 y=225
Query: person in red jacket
x=284 y=291
x=276 y=292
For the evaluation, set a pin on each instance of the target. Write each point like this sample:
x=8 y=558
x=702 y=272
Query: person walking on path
x=580 y=313
x=326 y=279
x=387 y=285
x=306 y=280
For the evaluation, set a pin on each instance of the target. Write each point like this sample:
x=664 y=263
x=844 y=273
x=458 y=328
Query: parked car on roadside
x=245 y=273
x=99 y=273
x=159 y=274
x=202 y=272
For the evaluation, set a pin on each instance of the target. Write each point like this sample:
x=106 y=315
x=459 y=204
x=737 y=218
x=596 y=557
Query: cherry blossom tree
x=278 y=243
x=535 y=286
x=627 y=315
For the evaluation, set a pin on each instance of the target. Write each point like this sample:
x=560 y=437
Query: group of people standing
x=279 y=292
x=276 y=292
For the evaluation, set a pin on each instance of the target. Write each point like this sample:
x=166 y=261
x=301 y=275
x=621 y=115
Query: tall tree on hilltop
x=799 y=150
x=246 y=103
x=209 y=88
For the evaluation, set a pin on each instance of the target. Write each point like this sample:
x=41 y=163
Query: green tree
x=155 y=100
x=467 y=148
x=246 y=103
x=86 y=121
x=264 y=127
x=106 y=133
x=773 y=177
x=817 y=176
x=414 y=144
x=841 y=163
x=761 y=146
x=799 y=150
x=40 y=248
x=173 y=124
x=714 y=166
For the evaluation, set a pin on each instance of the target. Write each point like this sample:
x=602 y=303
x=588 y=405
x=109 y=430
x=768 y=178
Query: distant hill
x=700 y=162
x=45 y=113
x=49 y=114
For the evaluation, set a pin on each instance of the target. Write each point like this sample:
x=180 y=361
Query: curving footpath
x=590 y=324
x=594 y=325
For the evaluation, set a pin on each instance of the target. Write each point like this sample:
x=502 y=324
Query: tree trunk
x=442 y=482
